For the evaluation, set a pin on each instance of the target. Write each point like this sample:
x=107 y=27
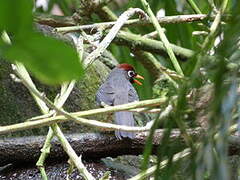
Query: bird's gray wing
x=105 y=94
x=132 y=94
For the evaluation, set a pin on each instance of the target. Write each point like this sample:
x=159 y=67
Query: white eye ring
x=131 y=73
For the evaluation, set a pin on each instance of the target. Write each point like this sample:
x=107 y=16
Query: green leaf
x=16 y=16
x=50 y=60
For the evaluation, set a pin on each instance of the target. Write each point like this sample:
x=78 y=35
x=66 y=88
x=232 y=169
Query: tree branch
x=138 y=42
x=53 y=20
x=133 y=22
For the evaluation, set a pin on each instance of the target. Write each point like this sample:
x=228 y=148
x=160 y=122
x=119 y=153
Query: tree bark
x=89 y=145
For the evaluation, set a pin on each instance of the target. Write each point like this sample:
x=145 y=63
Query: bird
x=117 y=90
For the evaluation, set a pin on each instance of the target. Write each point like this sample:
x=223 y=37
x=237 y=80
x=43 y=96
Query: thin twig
x=44 y=152
x=151 y=35
x=145 y=110
x=162 y=37
x=151 y=170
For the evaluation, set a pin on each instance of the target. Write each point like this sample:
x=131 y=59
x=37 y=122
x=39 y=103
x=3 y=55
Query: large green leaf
x=50 y=60
x=16 y=16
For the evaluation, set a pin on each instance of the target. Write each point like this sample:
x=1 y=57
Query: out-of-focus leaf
x=16 y=16
x=50 y=60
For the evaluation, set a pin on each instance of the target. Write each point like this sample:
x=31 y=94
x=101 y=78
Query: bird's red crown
x=126 y=67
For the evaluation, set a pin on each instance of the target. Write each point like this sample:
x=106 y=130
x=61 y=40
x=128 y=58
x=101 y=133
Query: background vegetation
x=205 y=95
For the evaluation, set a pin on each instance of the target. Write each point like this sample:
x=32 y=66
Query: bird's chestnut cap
x=129 y=67
x=125 y=66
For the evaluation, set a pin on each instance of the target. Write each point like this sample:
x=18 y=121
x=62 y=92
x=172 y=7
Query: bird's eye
x=131 y=73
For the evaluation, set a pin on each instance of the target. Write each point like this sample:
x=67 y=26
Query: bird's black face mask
x=131 y=75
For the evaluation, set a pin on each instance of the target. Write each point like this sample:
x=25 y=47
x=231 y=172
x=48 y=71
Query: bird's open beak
x=139 y=77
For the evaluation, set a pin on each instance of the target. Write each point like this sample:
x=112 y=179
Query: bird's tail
x=124 y=118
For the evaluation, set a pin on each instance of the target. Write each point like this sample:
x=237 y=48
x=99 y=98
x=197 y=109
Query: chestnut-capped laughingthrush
x=118 y=89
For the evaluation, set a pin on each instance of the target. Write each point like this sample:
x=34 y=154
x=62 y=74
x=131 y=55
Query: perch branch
x=90 y=145
x=145 y=110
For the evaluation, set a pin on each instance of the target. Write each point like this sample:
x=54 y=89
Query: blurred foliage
x=43 y=56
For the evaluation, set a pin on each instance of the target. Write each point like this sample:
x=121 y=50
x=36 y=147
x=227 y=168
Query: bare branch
x=136 y=22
